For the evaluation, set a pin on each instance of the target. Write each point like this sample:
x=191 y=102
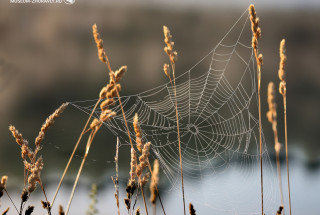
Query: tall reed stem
x=143 y=196
x=178 y=130
x=286 y=143
x=73 y=153
x=90 y=139
x=260 y=131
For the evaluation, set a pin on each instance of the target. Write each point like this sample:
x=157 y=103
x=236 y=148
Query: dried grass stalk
x=256 y=34
x=283 y=91
x=173 y=57
x=272 y=118
x=116 y=179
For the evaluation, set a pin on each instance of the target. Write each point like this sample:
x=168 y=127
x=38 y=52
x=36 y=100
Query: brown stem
x=279 y=177
x=117 y=177
x=277 y=149
x=260 y=126
x=286 y=143
x=90 y=139
x=5 y=190
x=48 y=203
x=144 y=199
x=74 y=151
x=178 y=130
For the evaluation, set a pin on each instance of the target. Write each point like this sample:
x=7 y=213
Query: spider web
x=219 y=129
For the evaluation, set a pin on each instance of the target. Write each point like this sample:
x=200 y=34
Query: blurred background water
x=48 y=56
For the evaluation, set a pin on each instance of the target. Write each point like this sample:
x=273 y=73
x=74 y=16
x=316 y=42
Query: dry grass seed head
x=49 y=122
x=35 y=171
x=144 y=161
x=99 y=42
x=29 y=210
x=133 y=165
x=191 y=209
x=166 y=70
x=173 y=55
x=3 y=184
x=282 y=73
x=120 y=73
x=154 y=182
x=17 y=136
x=145 y=179
x=280 y=210
x=61 y=211
x=138 y=132
x=256 y=31
x=107 y=115
x=106 y=103
x=272 y=113
x=24 y=195
x=95 y=123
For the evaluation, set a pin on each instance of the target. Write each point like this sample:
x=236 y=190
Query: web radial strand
x=217 y=105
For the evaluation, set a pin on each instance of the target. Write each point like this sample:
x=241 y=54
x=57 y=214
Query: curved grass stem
x=73 y=153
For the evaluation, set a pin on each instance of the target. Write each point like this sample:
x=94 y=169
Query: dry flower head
x=154 y=182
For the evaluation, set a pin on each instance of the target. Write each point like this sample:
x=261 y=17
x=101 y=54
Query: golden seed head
x=272 y=113
x=282 y=73
x=103 y=93
x=106 y=103
x=283 y=59
x=99 y=42
x=34 y=178
x=95 y=123
x=154 y=182
x=3 y=182
x=173 y=55
x=145 y=179
x=49 y=122
x=256 y=31
x=166 y=70
x=144 y=160
x=17 y=136
x=120 y=73
x=282 y=88
x=138 y=132
x=107 y=115
x=133 y=165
